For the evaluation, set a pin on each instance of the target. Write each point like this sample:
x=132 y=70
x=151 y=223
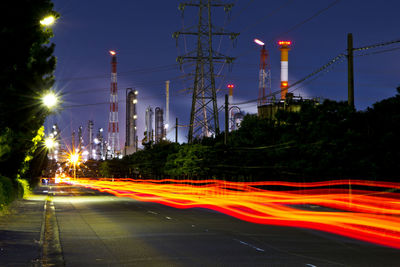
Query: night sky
x=141 y=33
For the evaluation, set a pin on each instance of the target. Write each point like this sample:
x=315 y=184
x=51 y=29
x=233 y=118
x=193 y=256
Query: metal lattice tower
x=113 y=147
x=204 y=112
x=264 y=78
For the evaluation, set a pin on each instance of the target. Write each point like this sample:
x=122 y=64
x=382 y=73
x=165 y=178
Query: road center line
x=250 y=245
x=152 y=212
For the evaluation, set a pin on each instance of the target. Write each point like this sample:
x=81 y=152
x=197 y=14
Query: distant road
x=97 y=229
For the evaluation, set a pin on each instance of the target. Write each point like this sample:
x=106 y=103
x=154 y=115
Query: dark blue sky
x=141 y=33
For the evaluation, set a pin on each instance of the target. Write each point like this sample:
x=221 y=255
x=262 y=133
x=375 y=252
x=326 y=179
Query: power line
x=267 y=16
x=319 y=12
x=380 y=52
x=322 y=68
x=136 y=71
x=293 y=27
x=377 y=45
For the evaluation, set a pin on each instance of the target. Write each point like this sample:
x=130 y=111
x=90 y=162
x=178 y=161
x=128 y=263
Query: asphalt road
x=97 y=229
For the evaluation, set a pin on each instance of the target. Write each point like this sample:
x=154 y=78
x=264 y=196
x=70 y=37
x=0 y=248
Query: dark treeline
x=327 y=141
x=26 y=75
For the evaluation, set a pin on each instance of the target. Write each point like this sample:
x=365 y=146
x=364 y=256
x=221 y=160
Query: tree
x=26 y=72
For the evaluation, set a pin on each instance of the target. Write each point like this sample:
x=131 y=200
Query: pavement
x=83 y=227
x=20 y=232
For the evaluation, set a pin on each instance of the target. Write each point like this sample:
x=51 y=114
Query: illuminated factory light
x=259 y=42
x=113 y=53
x=134 y=101
x=284 y=42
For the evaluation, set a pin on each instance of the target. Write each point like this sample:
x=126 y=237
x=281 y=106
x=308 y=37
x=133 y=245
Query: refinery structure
x=268 y=104
x=113 y=147
x=94 y=146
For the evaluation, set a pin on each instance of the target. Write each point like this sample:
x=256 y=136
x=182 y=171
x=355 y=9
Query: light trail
x=363 y=214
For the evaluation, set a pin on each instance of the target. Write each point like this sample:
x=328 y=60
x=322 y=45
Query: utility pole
x=226 y=119
x=350 y=69
x=176 y=131
x=204 y=112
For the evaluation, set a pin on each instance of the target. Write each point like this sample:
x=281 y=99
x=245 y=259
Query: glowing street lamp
x=48 y=21
x=74 y=159
x=50 y=143
x=50 y=100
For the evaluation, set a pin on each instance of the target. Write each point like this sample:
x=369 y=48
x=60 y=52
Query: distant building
x=291 y=103
x=159 y=125
x=131 y=145
x=148 y=134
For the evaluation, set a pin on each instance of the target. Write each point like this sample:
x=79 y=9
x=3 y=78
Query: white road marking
x=152 y=212
x=169 y=218
x=308 y=264
x=250 y=245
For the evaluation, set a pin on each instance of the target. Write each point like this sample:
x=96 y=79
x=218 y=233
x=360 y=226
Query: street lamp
x=48 y=21
x=50 y=100
x=73 y=159
x=50 y=143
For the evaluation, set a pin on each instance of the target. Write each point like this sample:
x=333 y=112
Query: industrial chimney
x=284 y=47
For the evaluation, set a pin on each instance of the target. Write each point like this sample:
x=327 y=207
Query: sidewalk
x=20 y=232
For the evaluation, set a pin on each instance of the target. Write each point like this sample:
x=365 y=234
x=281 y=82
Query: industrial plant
x=204 y=114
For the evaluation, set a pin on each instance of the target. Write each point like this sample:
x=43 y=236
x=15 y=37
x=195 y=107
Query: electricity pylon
x=204 y=112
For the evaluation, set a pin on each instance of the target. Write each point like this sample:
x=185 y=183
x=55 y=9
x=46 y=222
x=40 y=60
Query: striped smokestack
x=284 y=47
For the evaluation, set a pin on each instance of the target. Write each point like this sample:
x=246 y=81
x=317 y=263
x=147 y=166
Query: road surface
x=88 y=228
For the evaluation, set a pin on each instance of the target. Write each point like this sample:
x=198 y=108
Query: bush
x=7 y=191
x=23 y=188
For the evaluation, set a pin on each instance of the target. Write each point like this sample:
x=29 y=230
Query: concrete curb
x=51 y=250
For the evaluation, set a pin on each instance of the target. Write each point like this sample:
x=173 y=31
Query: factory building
x=131 y=139
x=288 y=101
x=159 y=125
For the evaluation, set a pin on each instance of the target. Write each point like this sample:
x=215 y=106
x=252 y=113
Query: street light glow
x=74 y=158
x=49 y=143
x=50 y=100
x=113 y=53
x=259 y=42
x=47 y=21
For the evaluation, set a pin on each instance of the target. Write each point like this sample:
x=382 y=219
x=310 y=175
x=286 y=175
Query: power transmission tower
x=204 y=112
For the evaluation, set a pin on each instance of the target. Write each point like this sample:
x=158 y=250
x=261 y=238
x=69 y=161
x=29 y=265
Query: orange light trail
x=367 y=215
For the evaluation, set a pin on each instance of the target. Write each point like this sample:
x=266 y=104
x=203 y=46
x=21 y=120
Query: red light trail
x=367 y=215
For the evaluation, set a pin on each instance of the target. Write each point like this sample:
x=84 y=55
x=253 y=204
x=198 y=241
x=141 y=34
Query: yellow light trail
x=367 y=215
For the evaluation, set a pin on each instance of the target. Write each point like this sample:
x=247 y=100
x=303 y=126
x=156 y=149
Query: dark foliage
x=26 y=72
x=326 y=141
